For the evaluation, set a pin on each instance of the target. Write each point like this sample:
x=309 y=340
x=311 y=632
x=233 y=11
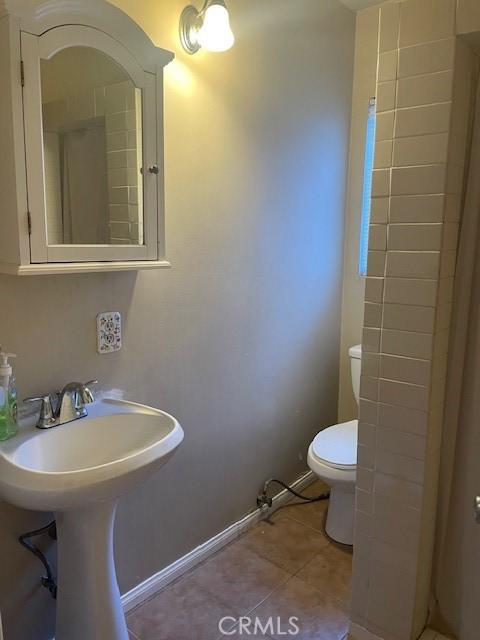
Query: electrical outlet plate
x=109 y=332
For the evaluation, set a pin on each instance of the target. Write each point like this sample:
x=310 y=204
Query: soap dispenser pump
x=8 y=397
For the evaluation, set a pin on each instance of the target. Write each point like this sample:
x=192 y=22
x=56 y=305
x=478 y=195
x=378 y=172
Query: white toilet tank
x=355 y=354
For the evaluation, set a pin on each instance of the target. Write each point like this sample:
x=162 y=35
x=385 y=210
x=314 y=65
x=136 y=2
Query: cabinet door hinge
x=22 y=73
x=29 y=223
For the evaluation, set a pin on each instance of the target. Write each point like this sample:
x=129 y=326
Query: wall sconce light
x=208 y=28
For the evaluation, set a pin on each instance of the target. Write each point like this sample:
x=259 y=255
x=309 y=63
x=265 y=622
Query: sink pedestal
x=79 y=470
x=88 y=598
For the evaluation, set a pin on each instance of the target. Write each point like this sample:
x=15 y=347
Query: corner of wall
x=407 y=316
x=353 y=294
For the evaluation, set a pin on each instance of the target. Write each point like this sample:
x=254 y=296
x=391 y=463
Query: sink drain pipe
x=50 y=529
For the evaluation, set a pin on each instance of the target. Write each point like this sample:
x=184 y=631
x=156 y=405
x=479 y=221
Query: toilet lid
x=337 y=445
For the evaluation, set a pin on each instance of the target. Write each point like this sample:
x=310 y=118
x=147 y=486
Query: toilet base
x=340 y=515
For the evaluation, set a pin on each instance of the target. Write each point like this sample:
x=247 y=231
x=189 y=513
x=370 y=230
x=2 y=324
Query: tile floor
x=429 y=634
x=286 y=567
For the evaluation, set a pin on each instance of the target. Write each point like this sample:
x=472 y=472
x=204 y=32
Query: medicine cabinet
x=81 y=140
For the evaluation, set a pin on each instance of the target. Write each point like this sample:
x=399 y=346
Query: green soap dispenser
x=8 y=398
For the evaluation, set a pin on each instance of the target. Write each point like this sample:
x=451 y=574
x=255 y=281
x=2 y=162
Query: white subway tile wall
x=380 y=210
x=383 y=154
x=417 y=121
x=376 y=262
x=424 y=89
x=123 y=161
x=413 y=264
x=117 y=104
x=421 y=208
x=420 y=149
x=426 y=58
x=386 y=96
x=385 y=125
x=424 y=94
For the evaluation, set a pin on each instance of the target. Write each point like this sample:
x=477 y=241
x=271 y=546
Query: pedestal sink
x=79 y=470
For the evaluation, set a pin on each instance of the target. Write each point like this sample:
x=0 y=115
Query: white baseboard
x=359 y=633
x=158 y=581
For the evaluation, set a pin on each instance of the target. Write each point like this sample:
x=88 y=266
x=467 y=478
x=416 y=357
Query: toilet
x=332 y=456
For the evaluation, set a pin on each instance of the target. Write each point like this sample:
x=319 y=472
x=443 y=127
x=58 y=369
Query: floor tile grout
x=309 y=526
x=274 y=590
x=322 y=531
x=295 y=574
x=326 y=593
x=210 y=558
x=261 y=552
x=185 y=575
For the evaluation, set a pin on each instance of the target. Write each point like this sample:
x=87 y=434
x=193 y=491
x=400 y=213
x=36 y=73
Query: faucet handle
x=86 y=393
x=47 y=414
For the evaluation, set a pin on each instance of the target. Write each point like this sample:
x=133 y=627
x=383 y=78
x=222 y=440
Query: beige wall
x=240 y=339
x=364 y=88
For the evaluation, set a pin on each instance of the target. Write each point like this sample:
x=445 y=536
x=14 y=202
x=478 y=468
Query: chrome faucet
x=66 y=406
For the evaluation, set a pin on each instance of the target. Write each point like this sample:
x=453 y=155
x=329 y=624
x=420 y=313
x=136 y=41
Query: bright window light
x=367 y=188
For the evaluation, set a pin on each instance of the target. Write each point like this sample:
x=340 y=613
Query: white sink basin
x=79 y=470
x=92 y=459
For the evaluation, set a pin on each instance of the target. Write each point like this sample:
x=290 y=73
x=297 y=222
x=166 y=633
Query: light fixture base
x=190 y=23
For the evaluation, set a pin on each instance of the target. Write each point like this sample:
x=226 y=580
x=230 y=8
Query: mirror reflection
x=92 y=137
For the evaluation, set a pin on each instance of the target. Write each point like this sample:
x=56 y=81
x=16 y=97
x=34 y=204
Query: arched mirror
x=81 y=140
x=93 y=154
x=92 y=143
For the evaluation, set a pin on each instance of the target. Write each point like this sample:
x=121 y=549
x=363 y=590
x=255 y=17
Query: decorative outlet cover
x=109 y=332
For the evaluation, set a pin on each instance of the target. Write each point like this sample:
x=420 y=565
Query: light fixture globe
x=216 y=34
x=208 y=28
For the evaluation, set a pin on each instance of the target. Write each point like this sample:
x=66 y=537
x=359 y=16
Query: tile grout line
x=309 y=526
x=207 y=561
x=294 y=575
x=241 y=527
x=187 y=575
x=252 y=609
x=329 y=542
x=290 y=575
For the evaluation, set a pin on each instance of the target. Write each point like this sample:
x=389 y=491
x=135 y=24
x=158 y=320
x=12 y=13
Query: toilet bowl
x=332 y=456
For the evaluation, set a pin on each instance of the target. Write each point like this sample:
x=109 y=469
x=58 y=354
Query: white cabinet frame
x=34 y=49
x=36 y=32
